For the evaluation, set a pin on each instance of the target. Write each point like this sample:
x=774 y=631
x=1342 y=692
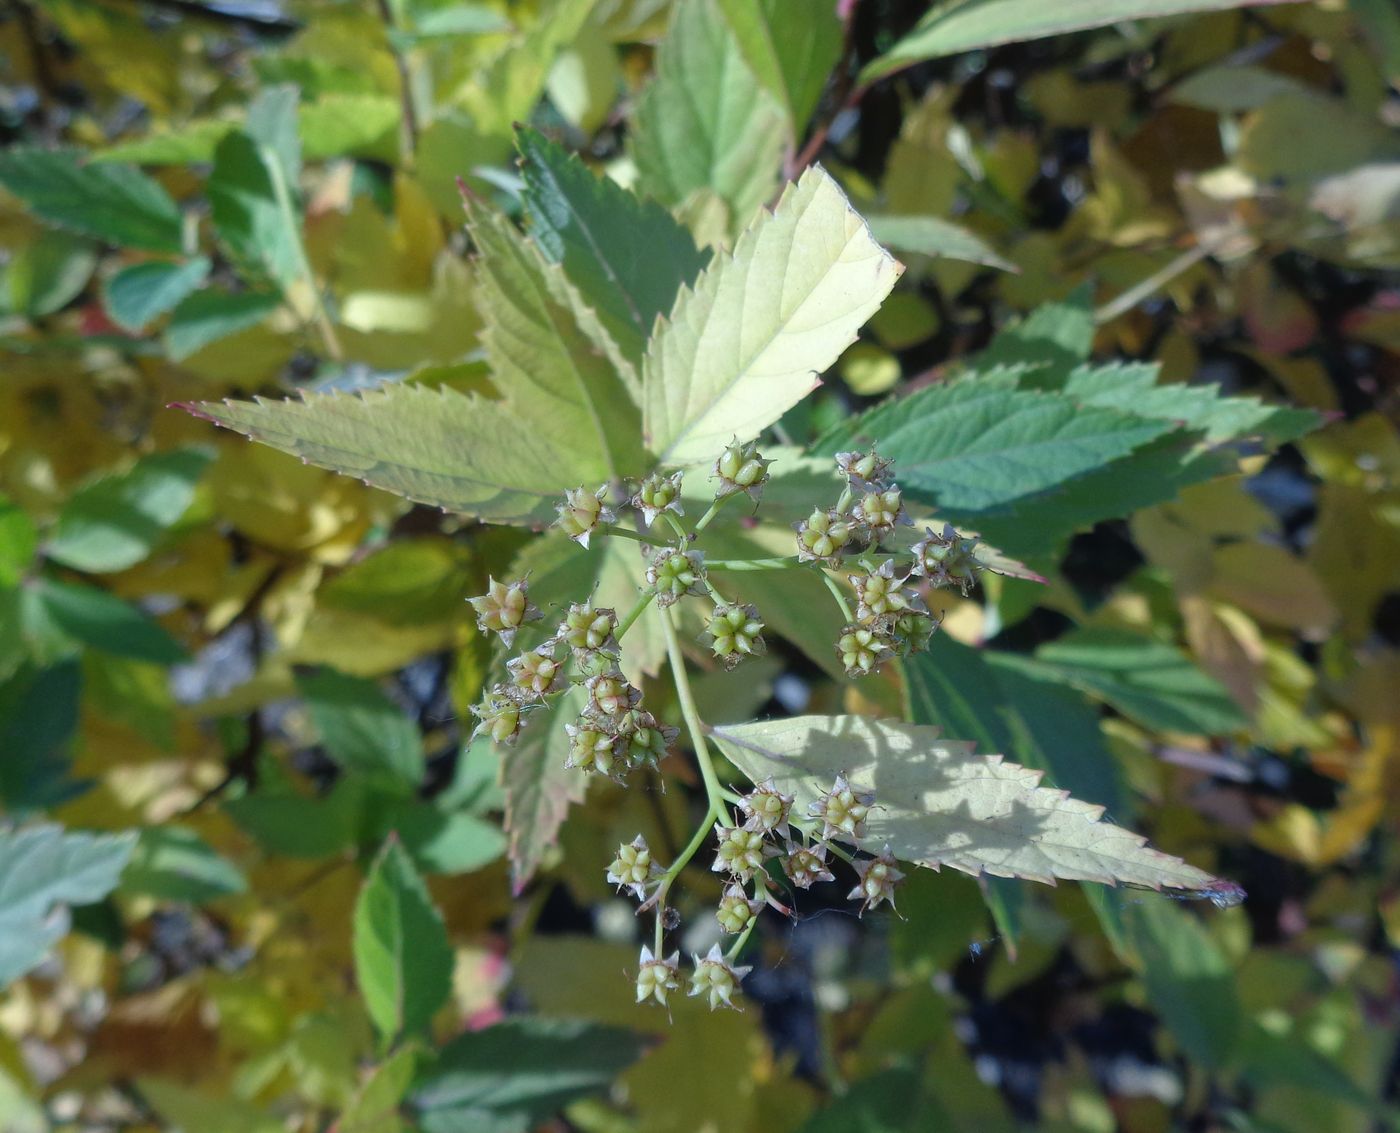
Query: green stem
x=283 y=196
x=634 y=613
x=677 y=526
x=752 y=564
x=696 y=841
x=840 y=598
x=713 y=790
x=741 y=940
x=635 y=536
x=713 y=511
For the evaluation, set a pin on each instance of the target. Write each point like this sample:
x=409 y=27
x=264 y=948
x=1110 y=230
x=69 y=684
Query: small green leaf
x=976 y=445
x=362 y=729
x=528 y=1067
x=115 y=522
x=19 y=539
x=628 y=257
x=403 y=961
x=207 y=316
x=39 y=710
x=114 y=203
x=705 y=123
x=192 y=143
x=251 y=221
x=272 y=124
x=446 y=843
x=375 y=1108
x=295 y=826
x=46 y=274
x=102 y=620
x=762 y=323
x=172 y=863
x=952 y=28
x=790 y=53
x=942 y=804
x=339 y=124
x=1049 y=342
x=137 y=294
x=931 y=236
x=436 y=446
x=1150 y=681
x=43 y=870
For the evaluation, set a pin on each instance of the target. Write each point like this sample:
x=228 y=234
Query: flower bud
x=821 y=537
x=736 y=633
x=534 y=673
x=655 y=978
x=863 y=470
x=947 y=559
x=740 y=851
x=740 y=468
x=499 y=718
x=592 y=749
x=766 y=809
x=879 y=592
x=582 y=513
x=633 y=868
x=611 y=694
x=503 y=608
x=657 y=494
x=863 y=648
x=643 y=740
x=911 y=631
x=715 y=978
x=880 y=511
x=736 y=910
x=806 y=865
x=675 y=572
x=843 y=809
x=878 y=877
x=586 y=629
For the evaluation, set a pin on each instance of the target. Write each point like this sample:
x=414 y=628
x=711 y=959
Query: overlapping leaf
x=940 y=803
x=762 y=324
x=791 y=57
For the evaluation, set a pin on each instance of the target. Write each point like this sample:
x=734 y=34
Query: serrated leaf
x=528 y=1067
x=362 y=729
x=115 y=522
x=539 y=789
x=952 y=28
x=172 y=863
x=403 y=961
x=459 y=452
x=105 y=622
x=762 y=323
x=705 y=124
x=1148 y=680
x=628 y=257
x=115 y=203
x=251 y=221
x=942 y=804
x=44 y=869
x=137 y=294
x=974 y=446
x=549 y=353
x=1134 y=389
x=207 y=316
x=790 y=53
x=932 y=236
x=1050 y=341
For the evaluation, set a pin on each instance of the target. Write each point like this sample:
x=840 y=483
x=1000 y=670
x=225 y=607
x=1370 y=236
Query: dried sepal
x=675 y=572
x=822 y=536
x=735 y=632
x=633 y=868
x=610 y=694
x=880 y=511
x=737 y=909
x=740 y=851
x=842 y=810
x=864 y=470
x=766 y=809
x=534 y=674
x=947 y=558
x=589 y=629
x=656 y=978
x=498 y=716
x=656 y=494
x=716 y=979
x=864 y=648
x=583 y=512
x=592 y=748
x=878 y=877
x=806 y=865
x=504 y=608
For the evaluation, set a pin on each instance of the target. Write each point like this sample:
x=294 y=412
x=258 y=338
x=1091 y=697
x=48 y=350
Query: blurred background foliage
x=260 y=667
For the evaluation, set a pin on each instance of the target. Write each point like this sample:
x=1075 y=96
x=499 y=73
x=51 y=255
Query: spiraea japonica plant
x=631 y=413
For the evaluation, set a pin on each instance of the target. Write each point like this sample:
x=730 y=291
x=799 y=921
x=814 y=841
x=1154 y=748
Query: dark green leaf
x=207 y=316
x=976 y=445
x=293 y=825
x=115 y=522
x=791 y=53
x=362 y=729
x=1151 y=681
x=105 y=622
x=251 y=207
x=402 y=957
x=531 y=1067
x=627 y=257
x=137 y=294
x=115 y=203
x=1050 y=341
x=38 y=717
x=172 y=863
x=44 y=869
